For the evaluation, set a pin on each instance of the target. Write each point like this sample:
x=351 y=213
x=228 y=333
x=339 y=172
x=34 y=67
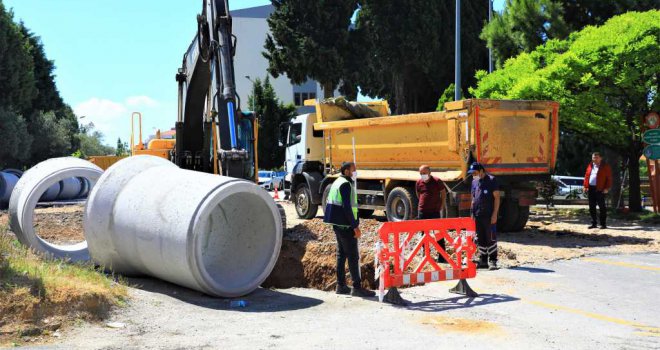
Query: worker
x=485 y=207
x=431 y=194
x=341 y=212
x=597 y=182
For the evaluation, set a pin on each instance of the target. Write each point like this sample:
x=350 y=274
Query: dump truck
x=515 y=140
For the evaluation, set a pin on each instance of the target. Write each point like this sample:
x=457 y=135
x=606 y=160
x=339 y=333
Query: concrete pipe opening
x=211 y=233
x=25 y=223
x=235 y=240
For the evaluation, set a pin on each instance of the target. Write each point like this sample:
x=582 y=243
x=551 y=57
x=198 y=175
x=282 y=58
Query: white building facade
x=251 y=29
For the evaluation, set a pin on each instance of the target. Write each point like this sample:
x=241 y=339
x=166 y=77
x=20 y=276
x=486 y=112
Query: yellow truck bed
x=508 y=137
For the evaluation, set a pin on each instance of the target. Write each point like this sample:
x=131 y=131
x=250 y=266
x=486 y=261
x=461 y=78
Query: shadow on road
x=531 y=269
x=569 y=239
x=261 y=300
x=459 y=302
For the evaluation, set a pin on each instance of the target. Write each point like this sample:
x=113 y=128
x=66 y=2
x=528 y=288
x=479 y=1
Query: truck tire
x=508 y=216
x=280 y=208
x=324 y=198
x=302 y=199
x=523 y=216
x=365 y=213
x=401 y=205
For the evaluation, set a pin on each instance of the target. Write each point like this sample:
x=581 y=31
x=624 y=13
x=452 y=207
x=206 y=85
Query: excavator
x=212 y=134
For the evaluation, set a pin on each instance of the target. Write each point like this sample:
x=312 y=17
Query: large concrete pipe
x=29 y=189
x=71 y=188
x=8 y=180
x=211 y=233
x=51 y=193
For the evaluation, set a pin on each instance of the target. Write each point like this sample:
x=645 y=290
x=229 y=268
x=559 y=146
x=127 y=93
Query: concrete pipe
x=215 y=234
x=27 y=192
x=51 y=193
x=84 y=189
x=7 y=182
x=71 y=187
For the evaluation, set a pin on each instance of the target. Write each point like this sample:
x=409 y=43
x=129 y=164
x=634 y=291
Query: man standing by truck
x=597 y=182
x=485 y=207
x=431 y=195
x=341 y=212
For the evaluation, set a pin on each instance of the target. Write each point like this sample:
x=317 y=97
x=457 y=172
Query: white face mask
x=354 y=176
x=476 y=176
x=425 y=177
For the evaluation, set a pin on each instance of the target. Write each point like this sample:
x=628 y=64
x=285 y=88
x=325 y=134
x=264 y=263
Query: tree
x=309 y=39
x=17 y=85
x=91 y=142
x=122 y=148
x=525 y=24
x=50 y=135
x=271 y=113
x=14 y=140
x=605 y=79
x=407 y=49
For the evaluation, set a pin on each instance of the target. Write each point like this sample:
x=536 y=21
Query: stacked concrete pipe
x=215 y=234
x=8 y=180
x=29 y=190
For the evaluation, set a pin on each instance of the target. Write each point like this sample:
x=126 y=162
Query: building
x=251 y=28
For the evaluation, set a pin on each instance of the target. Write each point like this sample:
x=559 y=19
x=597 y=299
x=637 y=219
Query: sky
x=116 y=57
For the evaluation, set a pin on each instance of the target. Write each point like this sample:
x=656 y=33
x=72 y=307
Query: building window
x=300 y=97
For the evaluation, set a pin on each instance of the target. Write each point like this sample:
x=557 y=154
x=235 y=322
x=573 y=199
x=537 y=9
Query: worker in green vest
x=341 y=211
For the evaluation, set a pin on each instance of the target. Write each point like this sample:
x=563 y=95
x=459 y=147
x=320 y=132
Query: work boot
x=482 y=264
x=593 y=226
x=603 y=226
x=343 y=289
x=362 y=292
x=492 y=265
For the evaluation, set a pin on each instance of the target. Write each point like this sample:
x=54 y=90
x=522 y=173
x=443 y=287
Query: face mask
x=476 y=176
x=425 y=177
x=354 y=176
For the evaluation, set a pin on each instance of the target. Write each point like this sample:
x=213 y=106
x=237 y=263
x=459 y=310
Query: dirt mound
x=308 y=259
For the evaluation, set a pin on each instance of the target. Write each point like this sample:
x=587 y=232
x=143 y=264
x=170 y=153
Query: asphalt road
x=599 y=302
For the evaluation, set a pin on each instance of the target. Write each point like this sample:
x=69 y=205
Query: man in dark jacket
x=485 y=208
x=597 y=182
x=341 y=211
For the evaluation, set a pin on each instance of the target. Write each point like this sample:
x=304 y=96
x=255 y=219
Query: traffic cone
x=277 y=195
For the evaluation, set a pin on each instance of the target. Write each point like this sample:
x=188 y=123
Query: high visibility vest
x=335 y=198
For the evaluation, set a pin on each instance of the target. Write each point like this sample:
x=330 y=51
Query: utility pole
x=457 y=53
x=490 y=50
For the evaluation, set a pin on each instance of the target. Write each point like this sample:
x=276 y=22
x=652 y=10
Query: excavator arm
x=212 y=134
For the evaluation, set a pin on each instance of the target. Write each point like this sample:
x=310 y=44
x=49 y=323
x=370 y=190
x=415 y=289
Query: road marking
x=624 y=264
x=647 y=334
x=647 y=330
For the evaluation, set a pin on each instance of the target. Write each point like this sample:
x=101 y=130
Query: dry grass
x=38 y=296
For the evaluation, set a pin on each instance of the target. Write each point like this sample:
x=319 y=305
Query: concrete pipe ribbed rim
x=27 y=193
x=216 y=278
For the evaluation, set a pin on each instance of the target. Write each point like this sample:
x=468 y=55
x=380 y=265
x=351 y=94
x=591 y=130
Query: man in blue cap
x=485 y=207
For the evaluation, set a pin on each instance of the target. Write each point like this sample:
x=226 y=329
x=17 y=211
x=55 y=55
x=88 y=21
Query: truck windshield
x=294 y=133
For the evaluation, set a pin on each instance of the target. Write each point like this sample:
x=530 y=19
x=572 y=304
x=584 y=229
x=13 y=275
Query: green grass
x=33 y=288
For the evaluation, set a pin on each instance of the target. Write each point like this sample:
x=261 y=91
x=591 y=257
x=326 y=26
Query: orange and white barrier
x=394 y=259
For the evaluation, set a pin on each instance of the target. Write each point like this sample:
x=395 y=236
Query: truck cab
x=303 y=152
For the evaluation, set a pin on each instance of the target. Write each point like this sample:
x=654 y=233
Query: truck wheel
x=303 y=202
x=365 y=213
x=508 y=216
x=280 y=208
x=401 y=205
x=324 y=198
x=523 y=216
